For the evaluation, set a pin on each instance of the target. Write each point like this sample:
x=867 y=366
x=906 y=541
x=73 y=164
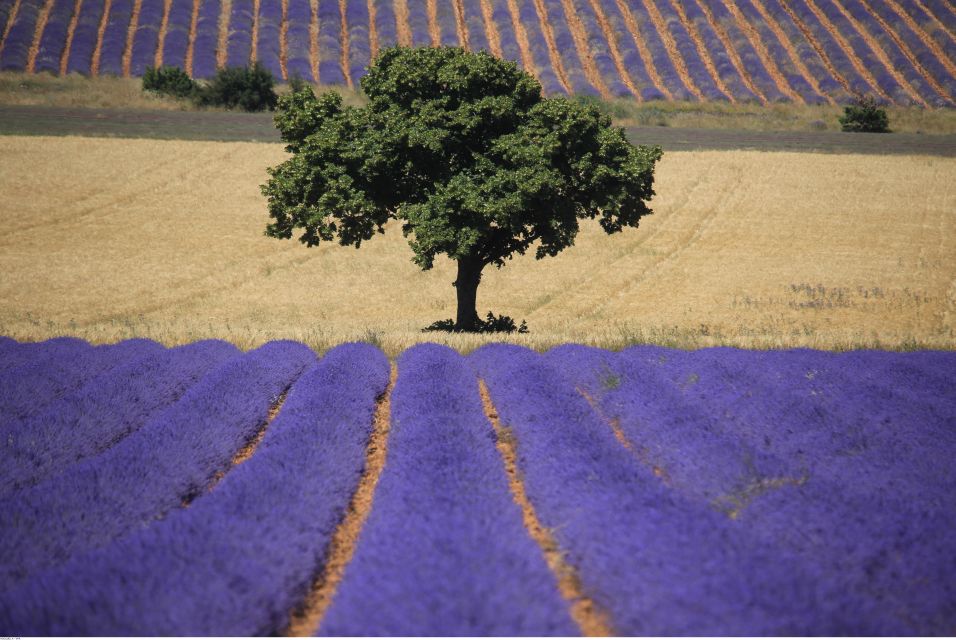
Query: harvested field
x=108 y=239
x=651 y=491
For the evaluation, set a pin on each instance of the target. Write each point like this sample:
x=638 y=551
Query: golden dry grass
x=106 y=239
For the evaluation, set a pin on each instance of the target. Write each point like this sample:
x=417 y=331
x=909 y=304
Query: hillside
x=748 y=51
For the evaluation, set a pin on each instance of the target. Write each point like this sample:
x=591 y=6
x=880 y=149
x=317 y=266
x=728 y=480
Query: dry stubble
x=108 y=239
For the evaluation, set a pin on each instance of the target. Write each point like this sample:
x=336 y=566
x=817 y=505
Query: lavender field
x=200 y=490
x=749 y=51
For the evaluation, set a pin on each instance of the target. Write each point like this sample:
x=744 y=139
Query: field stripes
x=507 y=492
x=765 y=51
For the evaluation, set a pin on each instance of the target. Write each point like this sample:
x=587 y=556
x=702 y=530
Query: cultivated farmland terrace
x=747 y=51
x=649 y=491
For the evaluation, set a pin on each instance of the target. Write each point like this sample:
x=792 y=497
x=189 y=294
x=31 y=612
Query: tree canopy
x=464 y=150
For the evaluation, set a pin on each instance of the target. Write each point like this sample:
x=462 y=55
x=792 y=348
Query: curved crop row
x=204 y=58
x=102 y=412
x=239 y=559
x=172 y=457
x=269 y=25
x=52 y=36
x=444 y=487
x=26 y=389
x=176 y=36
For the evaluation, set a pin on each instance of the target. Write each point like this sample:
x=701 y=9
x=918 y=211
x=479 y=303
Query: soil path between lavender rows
x=258 y=127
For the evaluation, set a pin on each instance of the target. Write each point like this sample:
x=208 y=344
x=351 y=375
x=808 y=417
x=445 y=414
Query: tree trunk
x=469 y=275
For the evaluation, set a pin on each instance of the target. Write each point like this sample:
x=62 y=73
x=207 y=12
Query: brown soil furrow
x=431 y=8
x=880 y=53
x=527 y=60
x=589 y=617
x=402 y=29
x=579 y=35
x=702 y=50
x=774 y=26
x=937 y=87
x=42 y=19
x=70 y=30
x=100 y=30
x=131 y=36
x=735 y=57
x=314 y=39
x=461 y=26
x=553 y=52
x=372 y=30
x=191 y=42
x=611 y=38
x=222 y=46
x=283 y=40
x=163 y=28
x=254 y=36
x=307 y=618
x=10 y=20
x=668 y=39
x=924 y=37
x=344 y=31
x=634 y=31
x=245 y=452
x=805 y=30
x=847 y=49
x=491 y=31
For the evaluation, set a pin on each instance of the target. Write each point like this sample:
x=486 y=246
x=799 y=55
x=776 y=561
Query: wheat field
x=107 y=239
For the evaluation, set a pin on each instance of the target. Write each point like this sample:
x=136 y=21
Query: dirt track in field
x=246 y=127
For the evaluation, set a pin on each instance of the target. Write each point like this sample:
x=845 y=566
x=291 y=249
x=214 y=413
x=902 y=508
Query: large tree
x=464 y=150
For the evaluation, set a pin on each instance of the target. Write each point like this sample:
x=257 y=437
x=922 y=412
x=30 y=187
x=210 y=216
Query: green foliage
x=491 y=324
x=171 y=81
x=462 y=148
x=249 y=88
x=864 y=114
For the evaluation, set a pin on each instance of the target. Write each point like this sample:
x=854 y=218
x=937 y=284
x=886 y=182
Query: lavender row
x=753 y=66
x=895 y=54
x=870 y=499
x=564 y=43
x=102 y=412
x=687 y=49
x=658 y=563
x=418 y=23
x=172 y=457
x=443 y=504
x=660 y=59
x=53 y=38
x=330 y=43
x=27 y=389
x=385 y=25
x=268 y=38
x=827 y=83
x=114 y=38
x=360 y=52
x=146 y=41
x=540 y=57
x=447 y=24
x=239 y=46
x=239 y=559
x=23 y=353
x=600 y=50
x=16 y=46
x=475 y=26
x=207 y=39
x=298 y=40
x=924 y=56
x=718 y=53
x=501 y=16
x=84 y=37
x=176 y=41
x=922 y=16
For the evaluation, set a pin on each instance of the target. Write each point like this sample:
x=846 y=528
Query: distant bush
x=249 y=88
x=864 y=114
x=171 y=81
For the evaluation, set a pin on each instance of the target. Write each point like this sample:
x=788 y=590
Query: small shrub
x=171 y=81
x=864 y=114
x=249 y=88
x=491 y=324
